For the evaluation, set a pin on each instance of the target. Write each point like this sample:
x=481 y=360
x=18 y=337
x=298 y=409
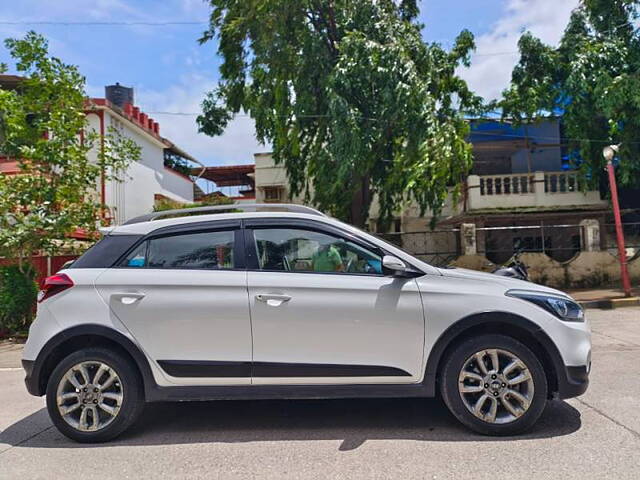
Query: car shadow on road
x=351 y=421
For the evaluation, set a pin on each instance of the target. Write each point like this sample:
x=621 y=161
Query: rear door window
x=201 y=251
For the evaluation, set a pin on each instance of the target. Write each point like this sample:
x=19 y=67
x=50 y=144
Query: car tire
x=89 y=409
x=506 y=400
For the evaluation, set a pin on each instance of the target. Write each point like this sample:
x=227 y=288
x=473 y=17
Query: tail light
x=54 y=284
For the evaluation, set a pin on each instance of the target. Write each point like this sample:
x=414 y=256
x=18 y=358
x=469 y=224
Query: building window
x=273 y=194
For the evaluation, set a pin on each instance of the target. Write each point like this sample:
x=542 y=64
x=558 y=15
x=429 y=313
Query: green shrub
x=18 y=295
x=168 y=204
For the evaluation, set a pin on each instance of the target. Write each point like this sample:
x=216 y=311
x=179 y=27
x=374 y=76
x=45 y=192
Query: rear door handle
x=272 y=299
x=129 y=298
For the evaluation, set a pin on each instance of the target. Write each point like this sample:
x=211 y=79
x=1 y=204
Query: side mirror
x=393 y=265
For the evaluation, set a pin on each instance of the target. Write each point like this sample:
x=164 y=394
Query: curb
x=611 y=303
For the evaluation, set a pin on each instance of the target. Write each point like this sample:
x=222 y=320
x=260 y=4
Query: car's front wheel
x=494 y=385
x=94 y=395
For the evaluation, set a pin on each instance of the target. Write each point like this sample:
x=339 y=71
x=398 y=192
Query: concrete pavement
x=594 y=436
x=606 y=298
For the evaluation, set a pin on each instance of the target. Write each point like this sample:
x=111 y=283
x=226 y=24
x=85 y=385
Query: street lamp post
x=608 y=153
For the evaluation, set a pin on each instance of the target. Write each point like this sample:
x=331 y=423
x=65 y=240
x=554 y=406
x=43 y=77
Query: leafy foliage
x=592 y=79
x=44 y=129
x=168 y=204
x=354 y=103
x=18 y=293
x=177 y=163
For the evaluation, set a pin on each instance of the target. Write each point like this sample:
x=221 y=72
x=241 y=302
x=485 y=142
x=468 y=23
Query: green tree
x=44 y=128
x=592 y=79
x=352 y=100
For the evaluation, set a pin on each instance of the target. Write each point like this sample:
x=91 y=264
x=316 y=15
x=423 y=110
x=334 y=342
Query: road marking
x=10 y=369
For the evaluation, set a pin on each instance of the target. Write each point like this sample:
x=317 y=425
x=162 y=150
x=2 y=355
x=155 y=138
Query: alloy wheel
x=496 y=386
x=89 y=396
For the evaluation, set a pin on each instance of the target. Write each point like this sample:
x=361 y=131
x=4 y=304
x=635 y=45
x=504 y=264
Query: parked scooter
x=514 y=269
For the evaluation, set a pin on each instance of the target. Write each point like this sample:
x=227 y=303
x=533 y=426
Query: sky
x=171 y=72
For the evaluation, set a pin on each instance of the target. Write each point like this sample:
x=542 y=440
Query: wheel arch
x=83 y=336
x=505 y=323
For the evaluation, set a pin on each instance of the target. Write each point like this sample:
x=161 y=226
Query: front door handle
x=129 y=298
x=272 y=299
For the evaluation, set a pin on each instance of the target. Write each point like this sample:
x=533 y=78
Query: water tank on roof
x=119 y=94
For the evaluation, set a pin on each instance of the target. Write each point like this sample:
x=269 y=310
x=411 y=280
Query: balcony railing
x=540 y=189
x=562 y=182
x=506 y=184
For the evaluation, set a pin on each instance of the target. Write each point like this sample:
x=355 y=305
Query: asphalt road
x=594 y=436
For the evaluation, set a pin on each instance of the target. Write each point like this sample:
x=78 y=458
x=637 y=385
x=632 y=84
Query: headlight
x=563 y=308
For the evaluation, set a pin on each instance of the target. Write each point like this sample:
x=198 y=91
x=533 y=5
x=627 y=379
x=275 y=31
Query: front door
x=183 y=296
x=324 y=313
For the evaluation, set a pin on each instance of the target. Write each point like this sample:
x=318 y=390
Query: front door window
x=299 y=250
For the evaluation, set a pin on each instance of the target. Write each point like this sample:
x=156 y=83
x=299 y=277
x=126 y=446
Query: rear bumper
x=31 y=380
x=573 y=382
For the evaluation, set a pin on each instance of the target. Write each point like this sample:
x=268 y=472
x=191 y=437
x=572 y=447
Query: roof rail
x=247 y=207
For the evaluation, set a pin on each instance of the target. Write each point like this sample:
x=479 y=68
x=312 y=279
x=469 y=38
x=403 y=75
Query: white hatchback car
x=288 y=303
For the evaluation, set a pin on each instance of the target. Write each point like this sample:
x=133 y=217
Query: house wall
x=175 y=185
x=585 y=270
x=268 y=174
x=134 y=194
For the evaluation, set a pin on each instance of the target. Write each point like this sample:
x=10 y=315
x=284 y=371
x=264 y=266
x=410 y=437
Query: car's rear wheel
x=494 y=385
x=94 y=395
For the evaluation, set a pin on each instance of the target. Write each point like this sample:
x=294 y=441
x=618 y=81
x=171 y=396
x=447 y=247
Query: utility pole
x=608 y=153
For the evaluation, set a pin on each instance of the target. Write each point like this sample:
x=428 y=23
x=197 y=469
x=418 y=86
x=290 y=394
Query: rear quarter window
x=106 y=252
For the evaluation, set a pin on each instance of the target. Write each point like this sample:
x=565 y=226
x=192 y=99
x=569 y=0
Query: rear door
x=183 y=296
x=323 y=312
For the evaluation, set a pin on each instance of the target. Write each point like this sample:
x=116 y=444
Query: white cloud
x=197 y=6
x=107 y=9
x=236 y=146
x=489 y=74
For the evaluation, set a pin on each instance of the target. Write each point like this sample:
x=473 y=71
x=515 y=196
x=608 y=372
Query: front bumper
x=573 y=382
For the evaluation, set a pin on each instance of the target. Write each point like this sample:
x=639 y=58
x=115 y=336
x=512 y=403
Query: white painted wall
x=134 y=194
x=174 y=185
x=268 y=174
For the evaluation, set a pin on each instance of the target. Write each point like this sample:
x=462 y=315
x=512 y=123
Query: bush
x=18 y=295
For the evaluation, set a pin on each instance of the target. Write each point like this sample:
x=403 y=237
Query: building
x=521 y=189
x=520 y=178
x=156 y=175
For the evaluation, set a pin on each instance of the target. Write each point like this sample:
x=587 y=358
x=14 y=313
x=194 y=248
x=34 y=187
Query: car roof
x=143 y=228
